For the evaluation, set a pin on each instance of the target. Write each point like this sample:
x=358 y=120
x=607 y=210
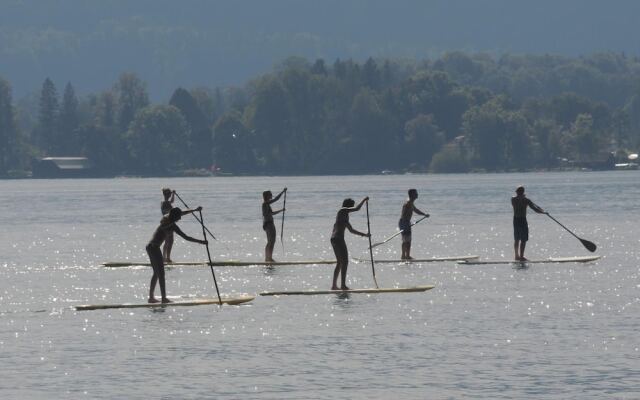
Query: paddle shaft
x=204 y=233
x=397 y=233
x=284 y=206
x=196 y=217
x=373 y=269
x=587 y=244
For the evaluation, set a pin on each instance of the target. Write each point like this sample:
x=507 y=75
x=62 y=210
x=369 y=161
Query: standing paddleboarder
x=338 y=243
x=166 y=206
x=267 y=222
x=167 y=226
x=404 y=224
x=520 y=225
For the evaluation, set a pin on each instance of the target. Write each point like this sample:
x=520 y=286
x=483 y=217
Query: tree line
x=461 y=112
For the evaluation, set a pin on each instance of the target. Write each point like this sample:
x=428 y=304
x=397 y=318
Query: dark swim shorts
x=520 y=229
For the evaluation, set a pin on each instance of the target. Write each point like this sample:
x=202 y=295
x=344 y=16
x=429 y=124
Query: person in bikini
x=166 y=227
x=338 y=243
x=267 y=222
x=165 y=206
x=404 y=224
x=520 y=225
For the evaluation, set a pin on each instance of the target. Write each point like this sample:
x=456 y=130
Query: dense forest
x=460 y=112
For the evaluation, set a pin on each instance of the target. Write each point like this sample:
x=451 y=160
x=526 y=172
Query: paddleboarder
x=520 y=225
x=167 y=226
x=338 y=243
x=404 y=224
x=165 y=206
x=267 y=222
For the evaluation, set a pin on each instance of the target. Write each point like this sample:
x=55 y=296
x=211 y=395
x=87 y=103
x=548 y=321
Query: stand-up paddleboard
x=229 y=263
x=419 y=260
x=551 y=260
x=178 y=303
x=372 y=290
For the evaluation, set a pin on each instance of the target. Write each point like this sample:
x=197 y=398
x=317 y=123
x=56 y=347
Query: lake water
x=550 y=331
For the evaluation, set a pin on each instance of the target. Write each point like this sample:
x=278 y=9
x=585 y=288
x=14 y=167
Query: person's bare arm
x=355 y=232
x=197 y=209
x=359 y=206
x=536 y=208
x=277 y=197
x=417 y=211
x=187 y=237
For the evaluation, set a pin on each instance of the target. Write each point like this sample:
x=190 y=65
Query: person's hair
x=348 y=203
x=413 y=191
x=520 y=189
x=175 y=214
x=266 y=194
x=166 y=192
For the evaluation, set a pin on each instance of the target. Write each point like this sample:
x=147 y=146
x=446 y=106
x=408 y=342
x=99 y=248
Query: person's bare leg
x=152 y=289
x=516 y=246
x=166 y=249
x=344 y=276
x=523 y=244
x=336 y=271
x=163 y=289
x=405 y=251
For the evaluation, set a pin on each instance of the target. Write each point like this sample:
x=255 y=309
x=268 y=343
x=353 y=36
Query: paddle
x=195 y=216
x=204 y=233
x=284 y=206
x=397 y=233
x=587 y=244
x=370 y=247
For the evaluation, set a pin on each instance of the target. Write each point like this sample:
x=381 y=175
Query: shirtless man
x=167 y=226
x=267 y=222
x=405 y=223
x=520 y=225
x=338 y=243
x=166 y=205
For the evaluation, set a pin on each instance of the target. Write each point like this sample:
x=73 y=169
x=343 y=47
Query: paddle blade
x=588 y=245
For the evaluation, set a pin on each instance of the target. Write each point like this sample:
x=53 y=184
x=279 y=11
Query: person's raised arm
x=187 y=237
x=359 y=206
x=277 y=197
x=355 y=232
x=173 y=196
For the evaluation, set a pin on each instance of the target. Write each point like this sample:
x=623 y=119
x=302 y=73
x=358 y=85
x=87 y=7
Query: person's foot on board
x=153 y=300
x=335 y=288
x=165 y=300
x=345 y=288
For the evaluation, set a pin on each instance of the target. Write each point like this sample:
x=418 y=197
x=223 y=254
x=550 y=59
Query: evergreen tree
x=8 y=129
x=67 y=143
x=131 y=94
x=47 y=129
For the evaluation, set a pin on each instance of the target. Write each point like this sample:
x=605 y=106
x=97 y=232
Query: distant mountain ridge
x=220 y=43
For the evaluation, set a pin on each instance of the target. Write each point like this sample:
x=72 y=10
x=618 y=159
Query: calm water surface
x=552 y=331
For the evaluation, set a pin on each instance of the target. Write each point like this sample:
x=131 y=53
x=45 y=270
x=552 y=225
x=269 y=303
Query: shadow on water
x=342 y=300
x=521 y=266
x=270 y=271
